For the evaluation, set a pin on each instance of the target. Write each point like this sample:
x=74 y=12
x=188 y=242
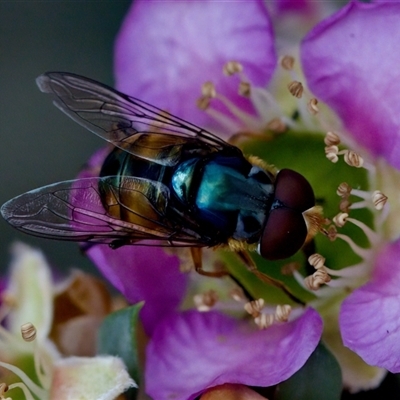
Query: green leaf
x=320 y=378
x=118 y=337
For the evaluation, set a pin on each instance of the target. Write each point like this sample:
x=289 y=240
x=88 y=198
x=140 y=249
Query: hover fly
x=166 y=182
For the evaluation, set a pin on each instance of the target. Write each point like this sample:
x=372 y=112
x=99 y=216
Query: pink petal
x=165 y=51
x=193 y=351
x=369 y=318
x=146 y=274
x=350 y=62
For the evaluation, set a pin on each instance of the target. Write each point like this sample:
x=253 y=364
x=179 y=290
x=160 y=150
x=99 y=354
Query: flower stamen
x=203 y=102
x=317 y=279
x=376 y=198
x=283 y=312
x=331 y=139
x=331 y=153
x=3 y=390
x=244 y=89
x=379 y=200
x=340 y=219
x=276 y=125
x=287 y=62
x=296 y=89
x=208 y=90
x=254 y=307
x=346 y=277
x=312 y=106
x=27 y=385
x=206 y=301
x=238 y=295
x=317 y=261
x=232 y=68
x=344 y=190
x=28 y=332
x=353 y=159
x=350 y=157
x=363 y=253
x=264 y=319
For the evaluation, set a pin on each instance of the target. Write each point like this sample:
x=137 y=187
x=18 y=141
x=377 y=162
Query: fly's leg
x=196 y=256
x=251 y=266
x=198 y=265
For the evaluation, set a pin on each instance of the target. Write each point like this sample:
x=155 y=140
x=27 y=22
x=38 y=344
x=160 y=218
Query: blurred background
x=40 y=145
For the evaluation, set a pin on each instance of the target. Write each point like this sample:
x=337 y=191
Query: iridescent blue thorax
x=230 y=195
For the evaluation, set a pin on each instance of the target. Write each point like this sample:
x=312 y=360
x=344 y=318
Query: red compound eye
x=293 y=190
x=285 y=231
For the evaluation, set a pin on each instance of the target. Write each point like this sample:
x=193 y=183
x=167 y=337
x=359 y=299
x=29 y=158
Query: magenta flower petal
x=146 y=274
x=193 y=351
x=369 y=318
x=350 y=63
x=165 y=51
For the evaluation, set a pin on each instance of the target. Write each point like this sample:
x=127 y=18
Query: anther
x=296 y=89
x=208 y=89
x=205 y=301
x=254 y=307
x=28 y=332
x=332 y=157
x=317 y=279
x=232 y=67
x=312 y=106
x=343 y=190
x=331 y=149
x=331 y=153
x=264 y=320
x=276 y=125
x=353 y=159
x=203 y=102
x=3 y=388
x=244 y=89
x=379 y=199
x=332 y=139
x=316 y=260
x=321 y=277
x=282 y=312
x=344 y=205
x=340 y=219
x=287 y=62
x=237 y=294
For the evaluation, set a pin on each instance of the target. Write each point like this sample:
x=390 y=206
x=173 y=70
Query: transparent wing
x=73 y=210
x=126 y=122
